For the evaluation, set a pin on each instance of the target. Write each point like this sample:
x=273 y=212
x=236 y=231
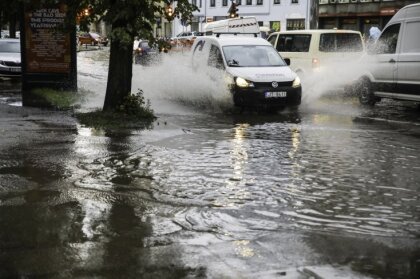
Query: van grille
x=269 y=84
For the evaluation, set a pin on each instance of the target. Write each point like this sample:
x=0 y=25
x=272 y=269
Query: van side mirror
x=287 y=60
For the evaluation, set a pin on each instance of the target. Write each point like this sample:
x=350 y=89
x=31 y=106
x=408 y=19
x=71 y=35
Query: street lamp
x=169 y=11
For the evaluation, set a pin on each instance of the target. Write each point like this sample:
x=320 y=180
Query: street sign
x=48 y=50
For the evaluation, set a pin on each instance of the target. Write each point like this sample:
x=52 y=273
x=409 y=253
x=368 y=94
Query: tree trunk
x=120 y=72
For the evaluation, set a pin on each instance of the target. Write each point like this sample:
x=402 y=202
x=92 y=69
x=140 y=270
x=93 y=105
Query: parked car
x=92 y=38
x=10 y=61
x=256 y=74
x=393 y=63
x=318 y=55
x=184 y=40
x=143 y=53
x=312 y=51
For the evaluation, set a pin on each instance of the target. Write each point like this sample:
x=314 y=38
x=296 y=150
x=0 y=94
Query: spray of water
x=332 y=77
x=173 y=86
x=171 y=80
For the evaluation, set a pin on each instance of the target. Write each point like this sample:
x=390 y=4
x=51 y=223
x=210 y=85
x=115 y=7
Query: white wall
x=266 y=12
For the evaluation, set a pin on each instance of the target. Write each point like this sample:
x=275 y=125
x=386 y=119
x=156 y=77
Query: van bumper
x=256 y=97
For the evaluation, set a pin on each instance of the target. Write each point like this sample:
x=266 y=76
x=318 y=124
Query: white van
x=312 y=51
x=254 y=71
x=393 y=64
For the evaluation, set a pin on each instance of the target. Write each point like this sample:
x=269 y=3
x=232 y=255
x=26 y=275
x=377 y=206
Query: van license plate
x=280 y=94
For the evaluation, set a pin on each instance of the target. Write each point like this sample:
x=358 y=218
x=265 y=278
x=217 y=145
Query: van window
x=294 y=43
x=272 y=39
x=340 y=42
x=215 y=58
x=387 y=42
x=411 y=41
x=252 y=56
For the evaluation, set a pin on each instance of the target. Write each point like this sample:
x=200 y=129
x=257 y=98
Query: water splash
x=172 y=79
x=332 y=78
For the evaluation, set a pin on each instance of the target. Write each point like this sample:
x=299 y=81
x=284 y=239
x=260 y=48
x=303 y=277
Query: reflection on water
x=243 y=180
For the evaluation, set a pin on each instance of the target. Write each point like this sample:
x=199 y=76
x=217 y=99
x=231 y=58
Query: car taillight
x=315 y=63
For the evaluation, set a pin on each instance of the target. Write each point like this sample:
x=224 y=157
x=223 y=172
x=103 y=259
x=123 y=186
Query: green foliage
x=135 y=105
x=133 y=112
x=137 y=16
x=58 y=99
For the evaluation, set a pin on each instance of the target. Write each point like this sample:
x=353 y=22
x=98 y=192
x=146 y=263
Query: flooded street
x=332 y=188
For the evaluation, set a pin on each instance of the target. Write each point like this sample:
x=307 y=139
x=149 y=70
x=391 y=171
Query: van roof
x=409 y=11
x=225 y=40
x=317 y=31
x=226 y=22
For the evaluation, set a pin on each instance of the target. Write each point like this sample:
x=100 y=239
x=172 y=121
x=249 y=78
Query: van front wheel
x=366 y=96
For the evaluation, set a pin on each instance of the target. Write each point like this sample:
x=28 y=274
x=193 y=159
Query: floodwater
x=332 y=188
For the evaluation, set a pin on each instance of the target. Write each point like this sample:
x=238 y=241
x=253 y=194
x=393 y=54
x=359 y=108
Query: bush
x=134 y=112
x=135 y=105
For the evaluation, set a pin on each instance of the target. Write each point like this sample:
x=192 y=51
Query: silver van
x=393 y=63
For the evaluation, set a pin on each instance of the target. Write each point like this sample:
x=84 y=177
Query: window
x=295 y=24
x=294 y=43
x=387 y=42
x=252 y=56
x=238 y=2
x=259 y=2
x=194 y=2
x=249 y=2
x=276 y=1
x=295 y=1
x=340 y=42
x=411 y=43
x=224 y=3
x=215 y=58
x=212 y=3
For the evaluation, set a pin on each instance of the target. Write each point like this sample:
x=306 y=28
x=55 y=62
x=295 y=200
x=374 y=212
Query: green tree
x=128 y=18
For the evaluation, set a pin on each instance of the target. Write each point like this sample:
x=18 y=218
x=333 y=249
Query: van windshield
x=340 y=42
x=252 y=56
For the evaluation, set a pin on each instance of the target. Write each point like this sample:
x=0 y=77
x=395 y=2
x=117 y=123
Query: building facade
x=275 y=14
x=358 y=15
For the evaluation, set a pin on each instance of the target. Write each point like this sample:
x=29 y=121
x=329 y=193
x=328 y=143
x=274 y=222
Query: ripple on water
x=280 y=173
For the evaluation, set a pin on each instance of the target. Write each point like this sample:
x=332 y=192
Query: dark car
x=144 y=54
x=92 y=38
x=10 y=63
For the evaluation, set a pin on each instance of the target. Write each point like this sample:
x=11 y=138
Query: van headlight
x=241 y=82
x=296 y=82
